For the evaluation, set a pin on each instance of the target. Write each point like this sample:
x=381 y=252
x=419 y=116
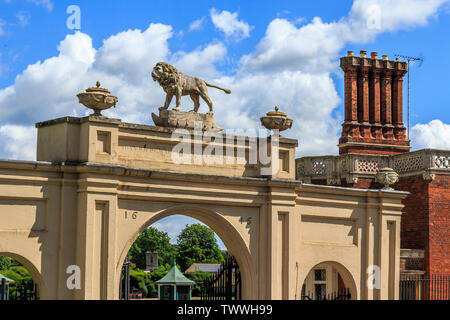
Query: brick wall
x=439 y=224
x=414 y=225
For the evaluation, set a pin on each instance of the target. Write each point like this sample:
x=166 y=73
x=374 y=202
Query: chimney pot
x=349 y=53
x=374 y=55
x=385 y=57
x=363 y=53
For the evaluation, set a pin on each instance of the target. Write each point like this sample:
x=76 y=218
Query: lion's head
x=163 y=71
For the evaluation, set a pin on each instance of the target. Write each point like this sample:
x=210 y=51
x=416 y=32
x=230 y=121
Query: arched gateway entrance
x=99 y=182
x=234 y=242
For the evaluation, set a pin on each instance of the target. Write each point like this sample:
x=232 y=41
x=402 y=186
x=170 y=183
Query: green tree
x=7 y=262
x=152 y=240
x=199 y=277
x=197 y=243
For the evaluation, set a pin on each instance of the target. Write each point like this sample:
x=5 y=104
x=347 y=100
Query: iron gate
x=24 y=292
x=124 y=288
x=224 y=284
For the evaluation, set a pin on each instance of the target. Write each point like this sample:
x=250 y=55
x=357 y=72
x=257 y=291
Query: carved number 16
x=133 y=215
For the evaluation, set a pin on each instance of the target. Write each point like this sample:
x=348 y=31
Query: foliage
x=152 y=240
x=21 y=277
x=140 y=280
x=145 y=281
x=198 y=277
x=197 y=243
x=7 y=262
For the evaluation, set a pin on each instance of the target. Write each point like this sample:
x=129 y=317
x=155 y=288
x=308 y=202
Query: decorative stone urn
x=276 y=120
x=97 y=99
x=386 y=176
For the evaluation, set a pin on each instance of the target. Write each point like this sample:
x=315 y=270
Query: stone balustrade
x=350 y=167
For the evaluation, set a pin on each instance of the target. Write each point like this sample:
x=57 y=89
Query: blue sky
x=269 y=53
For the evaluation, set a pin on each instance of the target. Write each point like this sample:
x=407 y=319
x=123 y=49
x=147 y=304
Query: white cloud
x=18 y=142
x=48 y=4
x=434 y=134
x=374 y=16
x=197 y=24
x=200 y=62
x=228 y=23
x=23 y=18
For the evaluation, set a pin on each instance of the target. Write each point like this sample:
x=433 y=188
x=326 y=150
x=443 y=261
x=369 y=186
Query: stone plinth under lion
x=188 y=120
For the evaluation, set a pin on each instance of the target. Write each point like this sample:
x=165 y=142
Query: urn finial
x=97 y=99
x=387 y=177
x=276 y=120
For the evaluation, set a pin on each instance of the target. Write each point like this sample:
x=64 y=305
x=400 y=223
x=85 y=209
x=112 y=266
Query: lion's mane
x=170 y=74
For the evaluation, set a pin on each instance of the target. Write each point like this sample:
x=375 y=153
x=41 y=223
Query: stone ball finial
x=97 y=99
x=276 y=120
x=387 y=177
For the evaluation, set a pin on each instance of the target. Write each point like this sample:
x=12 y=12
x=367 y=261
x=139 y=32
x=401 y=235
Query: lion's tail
x=227 y=91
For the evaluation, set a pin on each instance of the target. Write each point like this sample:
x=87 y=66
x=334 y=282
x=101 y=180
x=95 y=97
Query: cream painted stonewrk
x=98 y=183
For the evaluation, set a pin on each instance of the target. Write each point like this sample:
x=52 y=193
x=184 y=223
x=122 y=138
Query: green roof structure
x=175 y=277
x=6 y=279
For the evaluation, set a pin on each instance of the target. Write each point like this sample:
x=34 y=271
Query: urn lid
x=276 y=120
x=97 y=89
x=276 y=113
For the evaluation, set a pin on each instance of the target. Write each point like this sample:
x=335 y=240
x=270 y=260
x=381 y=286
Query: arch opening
x=22 y=280
x=231 y=239
x=328 y=280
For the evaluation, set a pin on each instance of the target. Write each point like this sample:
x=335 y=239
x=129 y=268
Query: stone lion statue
x=175 y=83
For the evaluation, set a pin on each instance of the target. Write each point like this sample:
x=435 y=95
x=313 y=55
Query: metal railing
x=417 y=287
x=341 y=294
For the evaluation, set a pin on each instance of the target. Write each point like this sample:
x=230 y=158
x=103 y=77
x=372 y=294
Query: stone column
x=281 y=251
x=389 y=247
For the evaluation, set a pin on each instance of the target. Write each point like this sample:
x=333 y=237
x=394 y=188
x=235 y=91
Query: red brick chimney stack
x=373 y=105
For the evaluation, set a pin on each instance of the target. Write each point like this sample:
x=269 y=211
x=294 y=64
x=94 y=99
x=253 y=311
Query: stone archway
x=35 y=274
x=223 y=228
x=330 y=276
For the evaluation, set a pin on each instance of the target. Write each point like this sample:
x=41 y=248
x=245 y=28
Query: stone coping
x=133 y=126
x=127 y=171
